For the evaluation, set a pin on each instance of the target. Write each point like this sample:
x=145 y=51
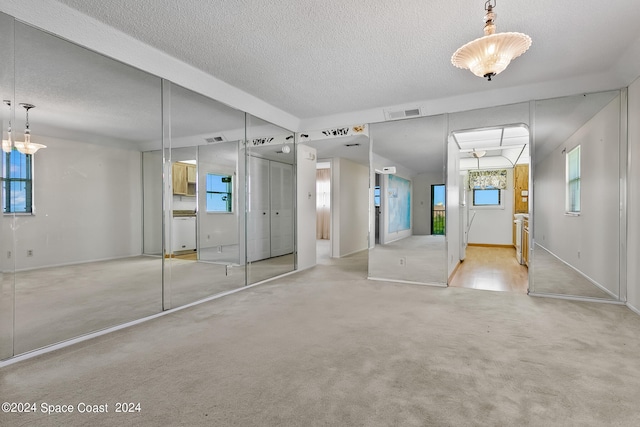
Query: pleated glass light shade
x=491 y=54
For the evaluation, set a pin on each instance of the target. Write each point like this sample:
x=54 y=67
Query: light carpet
x=327 y=347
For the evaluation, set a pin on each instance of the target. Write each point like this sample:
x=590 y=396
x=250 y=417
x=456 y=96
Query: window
x=376 y=196
x=573 y=181
x=219 y=193
x=486 y=197
x=17 y=182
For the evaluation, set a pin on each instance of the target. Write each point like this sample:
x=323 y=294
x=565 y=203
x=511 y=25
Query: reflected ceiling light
x=28 y=147
x=491 y=54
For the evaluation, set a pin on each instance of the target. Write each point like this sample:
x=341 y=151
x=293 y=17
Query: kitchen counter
x=178 y=213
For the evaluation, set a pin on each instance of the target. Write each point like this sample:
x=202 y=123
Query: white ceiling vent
x=215 y=139
x=402 y=114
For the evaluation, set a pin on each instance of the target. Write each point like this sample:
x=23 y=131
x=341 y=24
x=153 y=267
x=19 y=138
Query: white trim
x=632 y=308
x=409 y=282
x=575 y=298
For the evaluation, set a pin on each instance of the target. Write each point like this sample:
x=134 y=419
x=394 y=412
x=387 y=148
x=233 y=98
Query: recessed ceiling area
x=495 y=147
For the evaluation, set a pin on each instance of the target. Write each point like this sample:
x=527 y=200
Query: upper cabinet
x=184 y=179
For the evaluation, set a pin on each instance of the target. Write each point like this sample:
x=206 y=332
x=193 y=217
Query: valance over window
x=495 y=179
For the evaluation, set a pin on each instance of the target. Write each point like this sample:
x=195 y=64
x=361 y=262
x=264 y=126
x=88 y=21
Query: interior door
x=258 y=215
x=281 y=182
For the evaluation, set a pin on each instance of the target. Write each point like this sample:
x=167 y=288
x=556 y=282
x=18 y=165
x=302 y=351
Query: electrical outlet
x=8 y=254
x=403 y=262
x=29 y=252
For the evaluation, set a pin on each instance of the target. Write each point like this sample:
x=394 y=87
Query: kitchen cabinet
x=184 y=179
x=183 y=234
x=525 y=242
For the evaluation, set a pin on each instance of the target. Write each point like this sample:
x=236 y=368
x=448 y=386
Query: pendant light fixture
x=491 y=54
x=28 y=147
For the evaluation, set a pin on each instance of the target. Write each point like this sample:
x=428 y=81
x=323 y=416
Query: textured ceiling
x=330 y=59
x=318 y=58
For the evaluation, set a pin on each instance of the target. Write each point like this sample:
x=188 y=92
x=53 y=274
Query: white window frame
x=573 y=177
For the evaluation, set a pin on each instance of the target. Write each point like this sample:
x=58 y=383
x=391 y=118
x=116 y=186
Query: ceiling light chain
x=491 y=54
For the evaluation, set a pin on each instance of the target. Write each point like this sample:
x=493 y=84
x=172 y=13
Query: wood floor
x=491 y=269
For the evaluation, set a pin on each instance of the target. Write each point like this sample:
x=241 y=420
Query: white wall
x=493 y=226
x=633 y=212
x=306 y=206
x=421 y=200
x=152 y=181
x=88 y=205
x=216 y=229
x=589 y=242
x=350 y=212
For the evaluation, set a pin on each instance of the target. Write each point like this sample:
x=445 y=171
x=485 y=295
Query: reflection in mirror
x=487 y=178
x=342 y=189
x=577 y=198
x=78 y=249
x=6 y=220
x=408 y=238
x=270 y=200
x=204 y=218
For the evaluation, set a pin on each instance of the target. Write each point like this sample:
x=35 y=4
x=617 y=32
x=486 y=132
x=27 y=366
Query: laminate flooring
x=491 y=269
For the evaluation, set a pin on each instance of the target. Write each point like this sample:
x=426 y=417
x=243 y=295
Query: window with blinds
x=17 y=182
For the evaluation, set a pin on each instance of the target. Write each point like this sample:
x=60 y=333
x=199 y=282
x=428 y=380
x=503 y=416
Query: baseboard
x=632 y=308
x=407 y=282
x=490 y=245
x=455 y=270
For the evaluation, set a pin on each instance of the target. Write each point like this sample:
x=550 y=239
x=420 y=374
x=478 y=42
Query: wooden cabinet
x=520 y=185
x=191 y=174
x=184 y=179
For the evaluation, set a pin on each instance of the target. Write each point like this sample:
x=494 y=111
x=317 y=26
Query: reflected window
x=376 y=196
x=486 y=197
x=573 y=181
x=17 y=182
x=219 y=193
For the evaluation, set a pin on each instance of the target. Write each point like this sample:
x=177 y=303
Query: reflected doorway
x=492 y=179
x=438 y=209
x=323 y=211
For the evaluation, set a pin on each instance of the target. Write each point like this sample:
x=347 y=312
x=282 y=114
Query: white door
x=258 y=217
x=281 y=208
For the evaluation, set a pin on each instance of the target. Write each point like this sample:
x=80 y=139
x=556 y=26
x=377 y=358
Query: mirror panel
x=7 y=250
x=270 y=200
x=577 y=253
x=205 y=218
x=488 y=154
x=79 y=260
x=408 y=240
x=341 y=158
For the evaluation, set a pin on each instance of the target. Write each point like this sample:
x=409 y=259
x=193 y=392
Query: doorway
x=438 y=209
x=323 y=211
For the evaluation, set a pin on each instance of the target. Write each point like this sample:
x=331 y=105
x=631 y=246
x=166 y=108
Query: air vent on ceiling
x=215 y=139
x=402 y=114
